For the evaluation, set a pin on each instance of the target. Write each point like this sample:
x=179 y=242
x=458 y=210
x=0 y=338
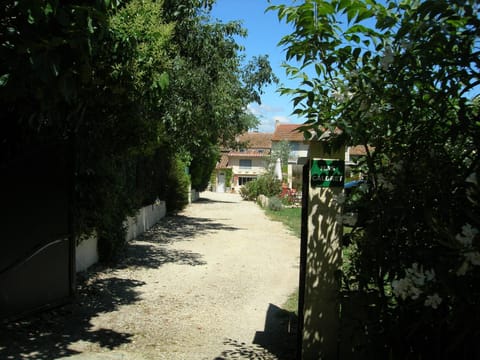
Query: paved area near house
x=208 y=283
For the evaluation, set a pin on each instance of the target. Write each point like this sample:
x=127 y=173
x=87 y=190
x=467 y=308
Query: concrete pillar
x=323 y=260
x=289 y=175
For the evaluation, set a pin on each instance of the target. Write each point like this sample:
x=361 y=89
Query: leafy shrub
x=415 y=253
x=275 y=203
x=248 y=191
x=178 y=186
x=266 y=185
x=202 y=166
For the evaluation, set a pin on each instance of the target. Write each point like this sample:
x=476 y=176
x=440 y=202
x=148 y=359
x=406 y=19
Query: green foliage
x=213 y=178
x=266 y=185
x=280 y=150
x=275 y=203
x=209 y=89
x=46 y=60
x=202 y=166
x=228 y=177
x=291 y=217
x=120 y=145
x=177 y=186
x=248 y=192
x=256 y=74
x=129 y=88
x=399 y=77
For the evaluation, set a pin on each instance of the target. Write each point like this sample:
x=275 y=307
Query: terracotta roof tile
x=247 y=154
x=256 y=140
x=359 y=150
x=287 y=132
x=223 y=162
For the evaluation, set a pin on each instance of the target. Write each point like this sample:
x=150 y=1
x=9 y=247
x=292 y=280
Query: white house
x=245 y=163
x=238 y=166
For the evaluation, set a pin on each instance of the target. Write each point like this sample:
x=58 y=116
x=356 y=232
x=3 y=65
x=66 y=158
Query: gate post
x=320 y=328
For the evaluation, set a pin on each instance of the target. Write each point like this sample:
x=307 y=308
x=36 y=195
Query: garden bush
x=401 y=79
x=266 y=185
x=177 y=187
x=275 y=203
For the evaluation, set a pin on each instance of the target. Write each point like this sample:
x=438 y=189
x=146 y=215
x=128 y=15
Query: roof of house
x=223 y=162
x=247 y=154
x=287 y=132
x=359 y=150
x=254 y=145
x=255 y=140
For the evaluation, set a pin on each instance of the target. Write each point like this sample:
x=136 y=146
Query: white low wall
x=145 y=219
x=193 y=196
x=86 y=253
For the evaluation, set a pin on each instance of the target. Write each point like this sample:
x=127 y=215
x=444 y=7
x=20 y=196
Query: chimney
x=277 y=122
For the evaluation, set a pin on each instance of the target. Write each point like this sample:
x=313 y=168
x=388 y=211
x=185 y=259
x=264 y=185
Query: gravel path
x=205 y=284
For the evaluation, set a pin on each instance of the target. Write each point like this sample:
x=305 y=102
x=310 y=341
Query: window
x=242 y=180
x=295 y=146
x=245 y=164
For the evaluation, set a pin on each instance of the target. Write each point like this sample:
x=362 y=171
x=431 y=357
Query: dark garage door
x=36 y=246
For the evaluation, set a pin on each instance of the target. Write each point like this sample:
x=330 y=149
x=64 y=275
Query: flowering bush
x=397 y=78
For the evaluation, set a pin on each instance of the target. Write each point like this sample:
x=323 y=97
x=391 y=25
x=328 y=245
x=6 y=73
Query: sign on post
x=327 y=173
x=321 y=253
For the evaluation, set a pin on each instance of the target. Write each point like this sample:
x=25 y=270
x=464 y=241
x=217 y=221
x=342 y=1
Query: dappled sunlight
x=322 y=277
x=183 y=228
x=144 y=254
x=277 y=341
x=51 y=334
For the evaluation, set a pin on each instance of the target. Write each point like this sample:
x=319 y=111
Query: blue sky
x=264 y=33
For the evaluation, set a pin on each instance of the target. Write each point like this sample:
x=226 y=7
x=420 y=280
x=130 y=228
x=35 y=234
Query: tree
x=120 y=139
x=399 y=77
x=46 y=59
x=280 y=150
x=137 y=89
x=209 y=88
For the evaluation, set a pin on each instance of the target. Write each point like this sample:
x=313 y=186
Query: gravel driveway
x=205 y=284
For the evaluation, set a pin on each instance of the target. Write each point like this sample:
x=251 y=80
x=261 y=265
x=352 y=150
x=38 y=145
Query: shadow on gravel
x=141 y=254
x=276 y=342
x=210 y=201
x=48 y=335
x=145 y=252
x=182 y=228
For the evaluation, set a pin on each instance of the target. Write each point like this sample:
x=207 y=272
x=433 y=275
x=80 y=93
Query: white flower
x=418 y=276
x=363 y=188
x=433 y=300
x=415 y=293
x=462 y=270
x=413 y=282
x=470 y=231
x=472 y=178
x=430 y=275
x=342 y=96
x=467 y=235
x=337 y=95
x=473 y=257
x=401 y=288
x=340 y=199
